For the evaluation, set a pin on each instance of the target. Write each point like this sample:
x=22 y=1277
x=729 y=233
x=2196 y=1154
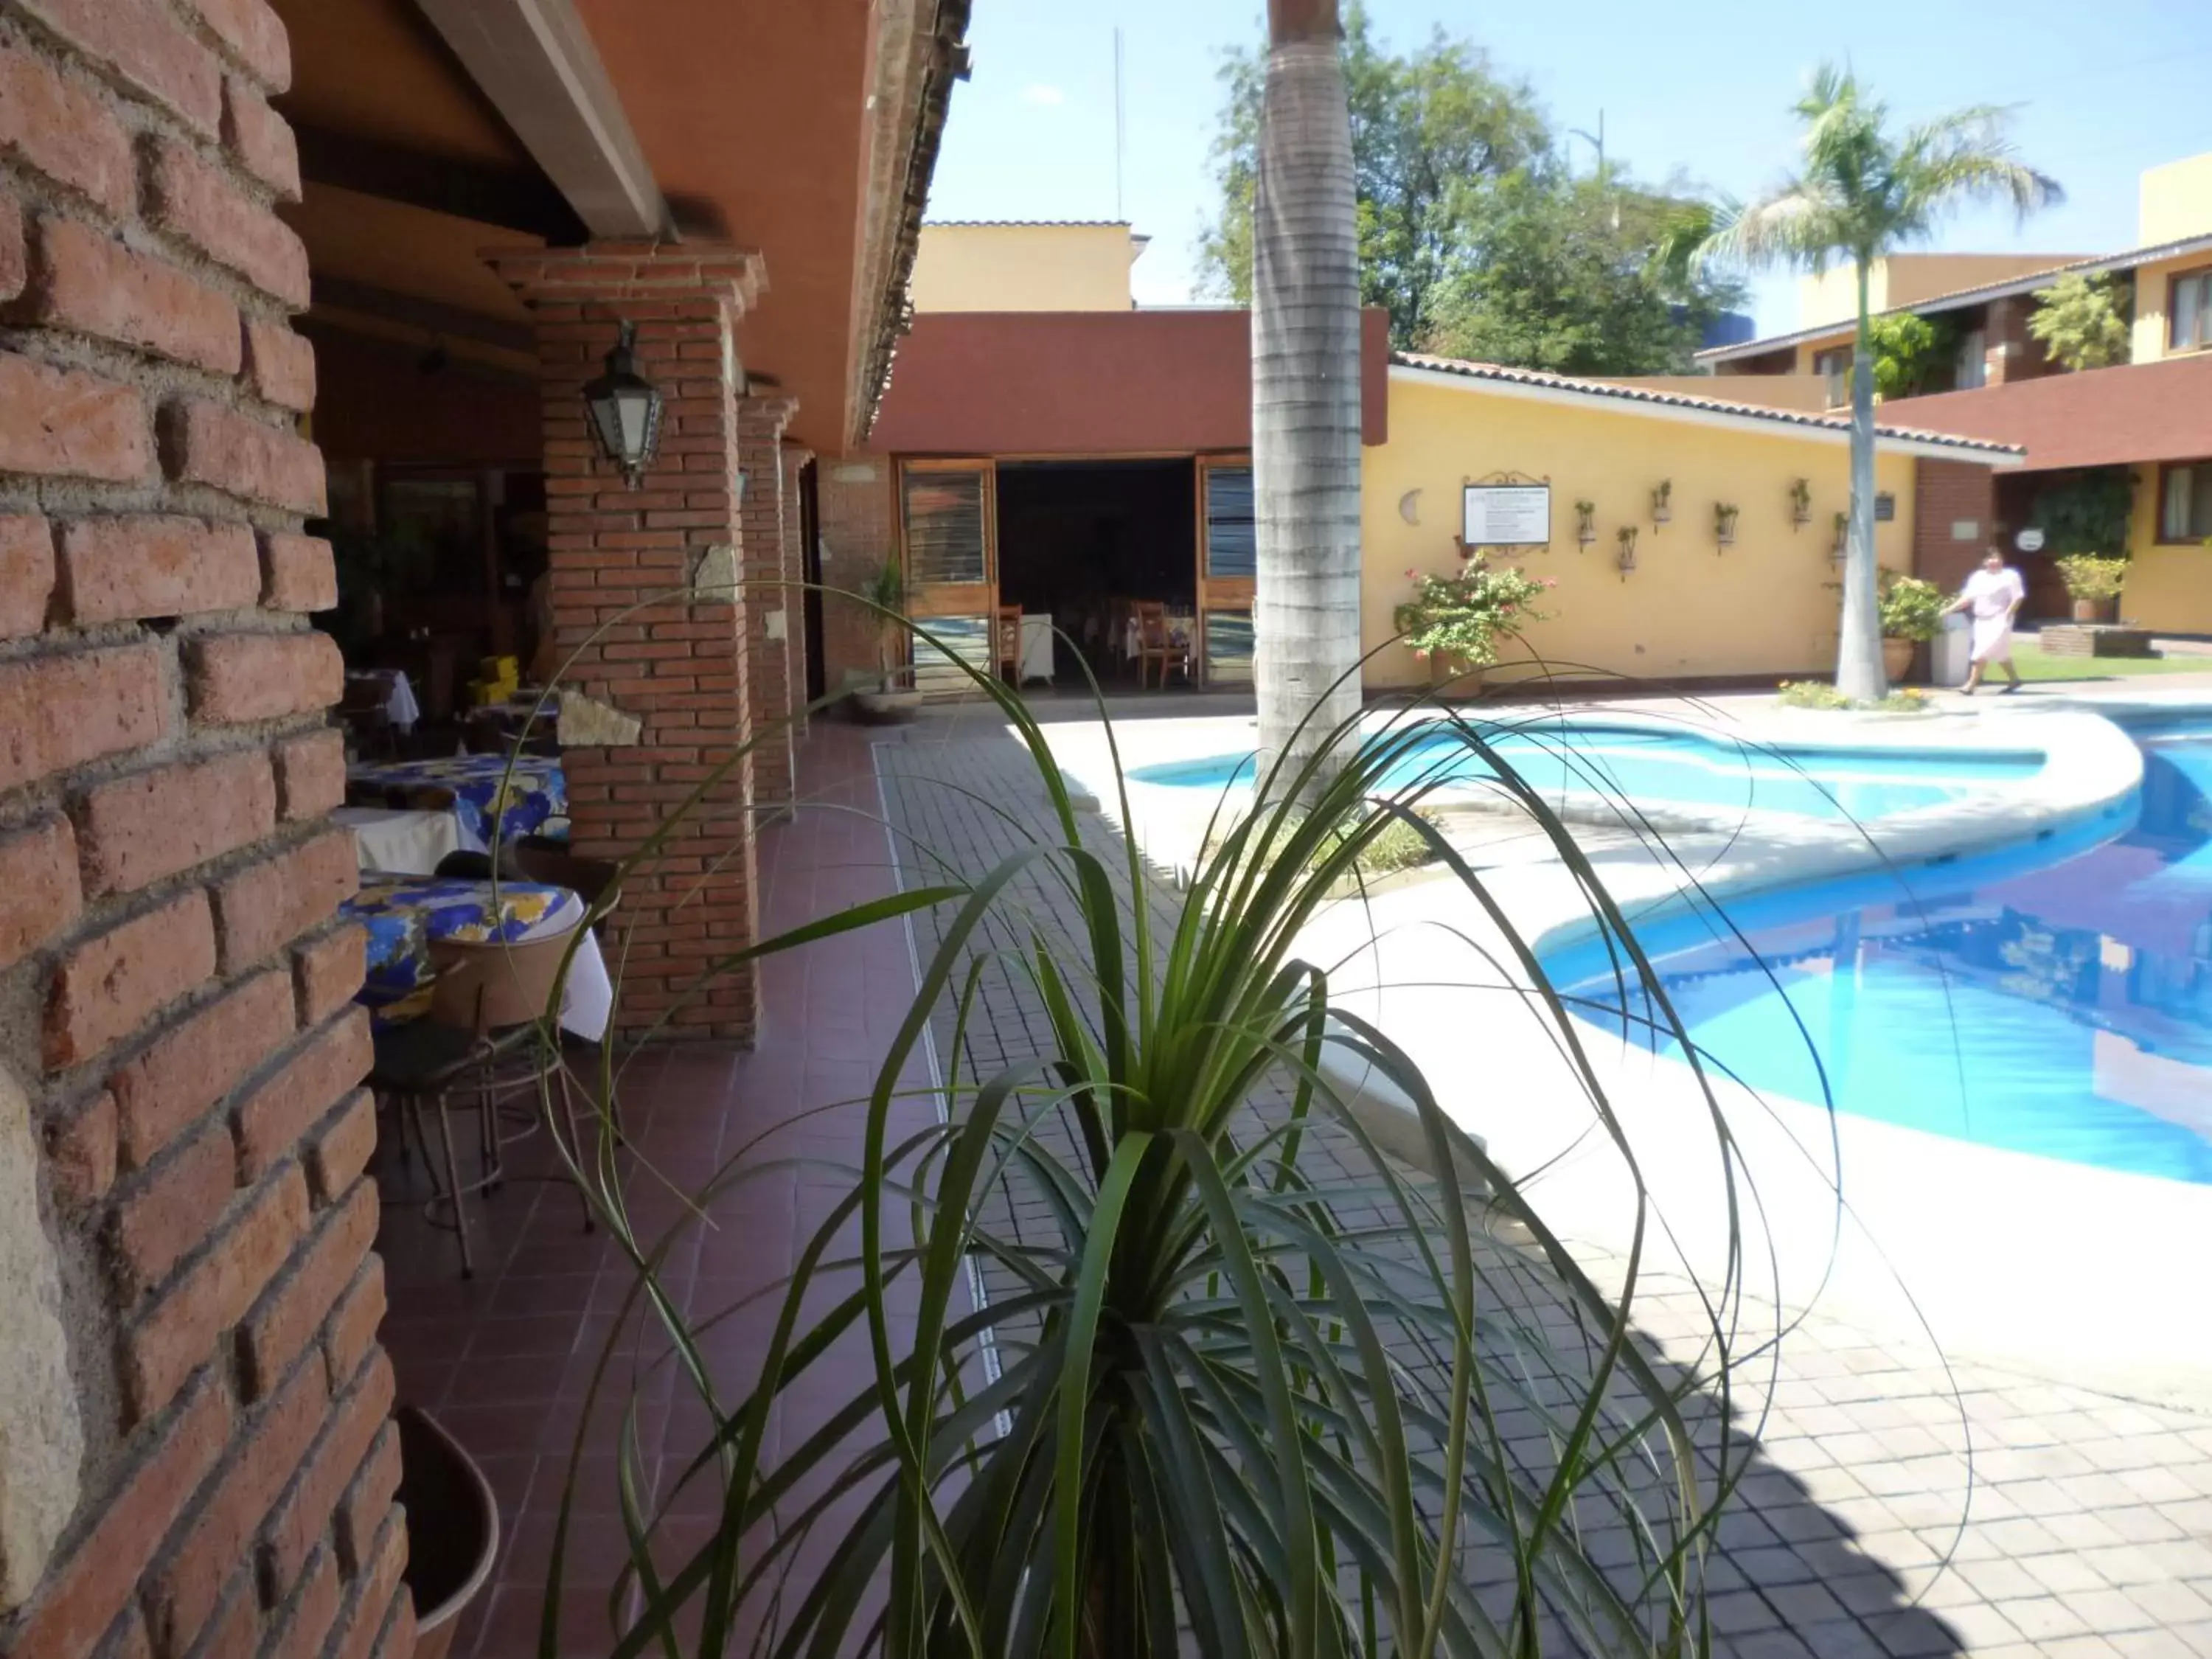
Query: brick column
x=795 y=574
x=1949 y=497
x=624 y=562
x=194 y=1454
x=2008 y=352
x=771 y=609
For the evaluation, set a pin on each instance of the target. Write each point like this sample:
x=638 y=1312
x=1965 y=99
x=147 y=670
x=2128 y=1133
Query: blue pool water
x=2053 y=1003
x=1665 y=765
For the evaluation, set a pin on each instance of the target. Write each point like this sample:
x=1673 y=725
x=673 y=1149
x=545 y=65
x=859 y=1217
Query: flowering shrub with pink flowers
x=1462 y=614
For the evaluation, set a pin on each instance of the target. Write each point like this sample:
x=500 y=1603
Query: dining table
x=404 y=915
x=496 y=797
x=400 y=841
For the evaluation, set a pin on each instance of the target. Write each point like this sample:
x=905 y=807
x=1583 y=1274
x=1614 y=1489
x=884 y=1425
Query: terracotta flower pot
x=2088 y=610
x=1896 y=658
x=453 y=1529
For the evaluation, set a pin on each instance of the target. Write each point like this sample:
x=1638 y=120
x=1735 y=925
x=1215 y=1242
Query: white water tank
x=1951 y=652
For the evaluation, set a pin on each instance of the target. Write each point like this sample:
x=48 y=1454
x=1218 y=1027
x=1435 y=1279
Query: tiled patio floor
x=2086 y=1527
x=505 y=1360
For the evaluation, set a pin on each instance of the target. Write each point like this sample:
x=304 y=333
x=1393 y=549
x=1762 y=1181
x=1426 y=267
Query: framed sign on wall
x=1506 y=515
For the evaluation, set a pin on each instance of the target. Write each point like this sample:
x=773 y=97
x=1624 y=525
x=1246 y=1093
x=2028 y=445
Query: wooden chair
x=480 y=1044
x=1156 y=643
x=1006 y=643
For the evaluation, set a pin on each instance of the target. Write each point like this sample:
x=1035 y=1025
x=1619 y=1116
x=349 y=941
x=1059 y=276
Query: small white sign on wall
x=1506 y=515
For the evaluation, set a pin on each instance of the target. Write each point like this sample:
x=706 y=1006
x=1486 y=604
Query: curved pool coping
x=2052 y=1267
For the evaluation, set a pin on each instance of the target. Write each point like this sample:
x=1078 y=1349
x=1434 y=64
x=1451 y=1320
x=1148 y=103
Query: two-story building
x=2131 y=443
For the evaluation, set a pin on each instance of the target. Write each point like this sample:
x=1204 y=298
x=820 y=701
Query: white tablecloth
x=400 y=844
x=1036 y=648
x=400 y=705
x=588 y=996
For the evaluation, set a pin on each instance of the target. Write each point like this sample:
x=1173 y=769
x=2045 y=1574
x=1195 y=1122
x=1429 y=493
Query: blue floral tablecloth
x=536 y=792
x=404 y=913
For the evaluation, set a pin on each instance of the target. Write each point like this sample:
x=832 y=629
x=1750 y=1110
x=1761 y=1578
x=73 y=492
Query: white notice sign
x=1507 y=515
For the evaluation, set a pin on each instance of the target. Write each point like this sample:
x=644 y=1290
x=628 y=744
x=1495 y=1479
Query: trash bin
x=1951 y=652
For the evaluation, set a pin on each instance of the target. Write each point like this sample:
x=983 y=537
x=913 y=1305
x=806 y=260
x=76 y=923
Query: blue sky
x=1701 y=89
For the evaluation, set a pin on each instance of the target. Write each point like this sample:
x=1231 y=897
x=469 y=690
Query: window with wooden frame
x=1228 y=560
x=2189 y=311
x=1834 y=367
x=2184 y=501
x=948 y=534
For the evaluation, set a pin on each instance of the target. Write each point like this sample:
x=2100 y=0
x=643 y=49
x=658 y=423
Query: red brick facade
x=1949 y=497
x=857 y=535
x=623 y=563
x=771 y=609
x=175 y=989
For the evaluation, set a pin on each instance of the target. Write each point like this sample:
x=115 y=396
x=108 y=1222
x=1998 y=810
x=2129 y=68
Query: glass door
x=948 y=528
x=1228 y=562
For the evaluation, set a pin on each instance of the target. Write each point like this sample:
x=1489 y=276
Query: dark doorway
x=1078 y=541
x=810 y=571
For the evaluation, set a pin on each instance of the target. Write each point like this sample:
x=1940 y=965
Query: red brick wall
x=622 y=562
x=769 y=609
x=178 y=992
x=857 y=535
x=794 y=461
x=1946 y=496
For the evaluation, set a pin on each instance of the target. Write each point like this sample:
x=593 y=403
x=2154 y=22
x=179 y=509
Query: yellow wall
x=1023 y=267
x=2169 y=589
x=1762 y=607
x=2153 y=290
x=1807 y=393
x=1906 y=279
x=2174 y=201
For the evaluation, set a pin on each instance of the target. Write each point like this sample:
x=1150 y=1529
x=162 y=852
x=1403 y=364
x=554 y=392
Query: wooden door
x=1228 y=562
x=949 y=537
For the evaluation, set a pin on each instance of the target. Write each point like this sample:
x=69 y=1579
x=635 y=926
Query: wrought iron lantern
x=625 y=410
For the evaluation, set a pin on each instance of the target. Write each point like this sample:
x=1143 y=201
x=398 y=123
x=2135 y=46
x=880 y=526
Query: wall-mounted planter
x=1585 y=523
x=1663 y=502
x=1724 y=517
x=1626 y=557
x=1842 y=546
x=1801 y=503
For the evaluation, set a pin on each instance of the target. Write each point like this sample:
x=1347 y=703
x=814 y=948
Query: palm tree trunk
x=1305 y=393
x=1858 y=653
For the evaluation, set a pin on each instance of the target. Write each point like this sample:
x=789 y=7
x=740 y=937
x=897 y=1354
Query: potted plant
x=1842 y=544
x=1626 y=558
x=1662 y=501
x=1912 y=612
x=2093 y=583
x=1801 y=503
x=1585 y=522
x=453 y=1529
x=1454 y=621
x=884 y=590
x=1724 y=516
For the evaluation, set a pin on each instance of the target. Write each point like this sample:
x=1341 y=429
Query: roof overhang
x=1960 y=299
x=1772 y=423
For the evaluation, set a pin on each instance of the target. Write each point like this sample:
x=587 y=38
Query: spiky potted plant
x=883 y=591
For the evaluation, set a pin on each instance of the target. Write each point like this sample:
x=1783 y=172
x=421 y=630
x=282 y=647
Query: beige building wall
x=1765 y=605
x=1806 y=392
x=1906 y=279
x=1075 y=267
x=2154 y=299
x=2174 y=201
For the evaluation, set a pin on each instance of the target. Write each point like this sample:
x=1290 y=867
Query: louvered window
x=944 y=539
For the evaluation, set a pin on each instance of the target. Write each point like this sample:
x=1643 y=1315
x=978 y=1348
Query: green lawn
x=2034 y=663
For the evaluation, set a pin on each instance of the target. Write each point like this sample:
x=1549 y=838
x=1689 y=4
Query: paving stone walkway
x=1898 y=1502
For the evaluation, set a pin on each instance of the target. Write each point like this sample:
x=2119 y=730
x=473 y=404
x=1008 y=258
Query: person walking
x=1992 y=597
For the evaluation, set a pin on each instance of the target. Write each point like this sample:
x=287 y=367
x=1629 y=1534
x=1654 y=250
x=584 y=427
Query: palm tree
x=1305 y=395
x=1862 y=194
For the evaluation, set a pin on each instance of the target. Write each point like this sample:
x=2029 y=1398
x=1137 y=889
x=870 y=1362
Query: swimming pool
x=2057 y=1003
x=1659 y=766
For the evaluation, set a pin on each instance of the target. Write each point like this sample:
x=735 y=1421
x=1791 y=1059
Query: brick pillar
x=1953 y=514
x=194 y=1454
x=2008 y=351
x=795 y=574
x=771 y=609
x=623 y=564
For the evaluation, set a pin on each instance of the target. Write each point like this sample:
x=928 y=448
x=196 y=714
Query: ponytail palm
x=1250 y=1387
x=1862 y=192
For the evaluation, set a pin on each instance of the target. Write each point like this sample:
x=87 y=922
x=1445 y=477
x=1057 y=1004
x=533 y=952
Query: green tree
x=1459 y=182
x=2083 y=321
x=1862 y=191
x=1908 y=350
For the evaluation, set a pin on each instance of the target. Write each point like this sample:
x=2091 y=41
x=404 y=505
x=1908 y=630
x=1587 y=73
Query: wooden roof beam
x=536 y=62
